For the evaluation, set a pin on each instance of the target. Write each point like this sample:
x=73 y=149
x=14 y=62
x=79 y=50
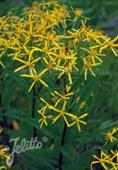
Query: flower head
x=110 y=135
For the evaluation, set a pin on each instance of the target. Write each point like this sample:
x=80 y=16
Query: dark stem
x=60 y=160
x=33 y=110
x=5 y=122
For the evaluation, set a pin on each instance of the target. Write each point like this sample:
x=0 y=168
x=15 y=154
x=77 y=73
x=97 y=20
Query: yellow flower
x=51 y=38
x=51 y=107
x=88 y=65
x=67 y=69
x=30 y=63
x=92 y=35
x=61 y=112
x=77 y=11
x=51 y=64
x=36 y=77
x=80 y=33
x=77 y=120
x=111 y=43
x=65 y=56
x=59 y=15
x=44 y=117
x=19 y=50
x=47 y=50
x=3 y=153
x=110 y=135
x=94 y=55
x=61 y=97
x=115 y=156
x=103 y=160
x=3 y=150
x=75 y=35
x=108 y=43
x=64 y=114
x=67 y=117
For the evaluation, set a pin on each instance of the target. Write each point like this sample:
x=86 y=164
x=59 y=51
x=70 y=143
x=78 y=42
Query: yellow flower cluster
x=42 y=35
x=46 y=39
x=60 y=101
x=108 y=161
x=3 y=153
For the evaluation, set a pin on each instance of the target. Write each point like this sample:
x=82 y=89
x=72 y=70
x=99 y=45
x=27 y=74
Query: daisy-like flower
x=94 y=55
x=88 y=65
x=78 y=120
x=108 y=43
x=91 y=35
x=36 y=77
x=104 y=160
x=46 y=49
x=79 y=34
x=109 y=136
x=44 y=117
x=62 y=113
x=30 y=63
x=67 y=69
x=77 y=11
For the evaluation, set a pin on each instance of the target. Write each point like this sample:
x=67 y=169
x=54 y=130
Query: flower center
x=36 y=77
x=28 y=63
